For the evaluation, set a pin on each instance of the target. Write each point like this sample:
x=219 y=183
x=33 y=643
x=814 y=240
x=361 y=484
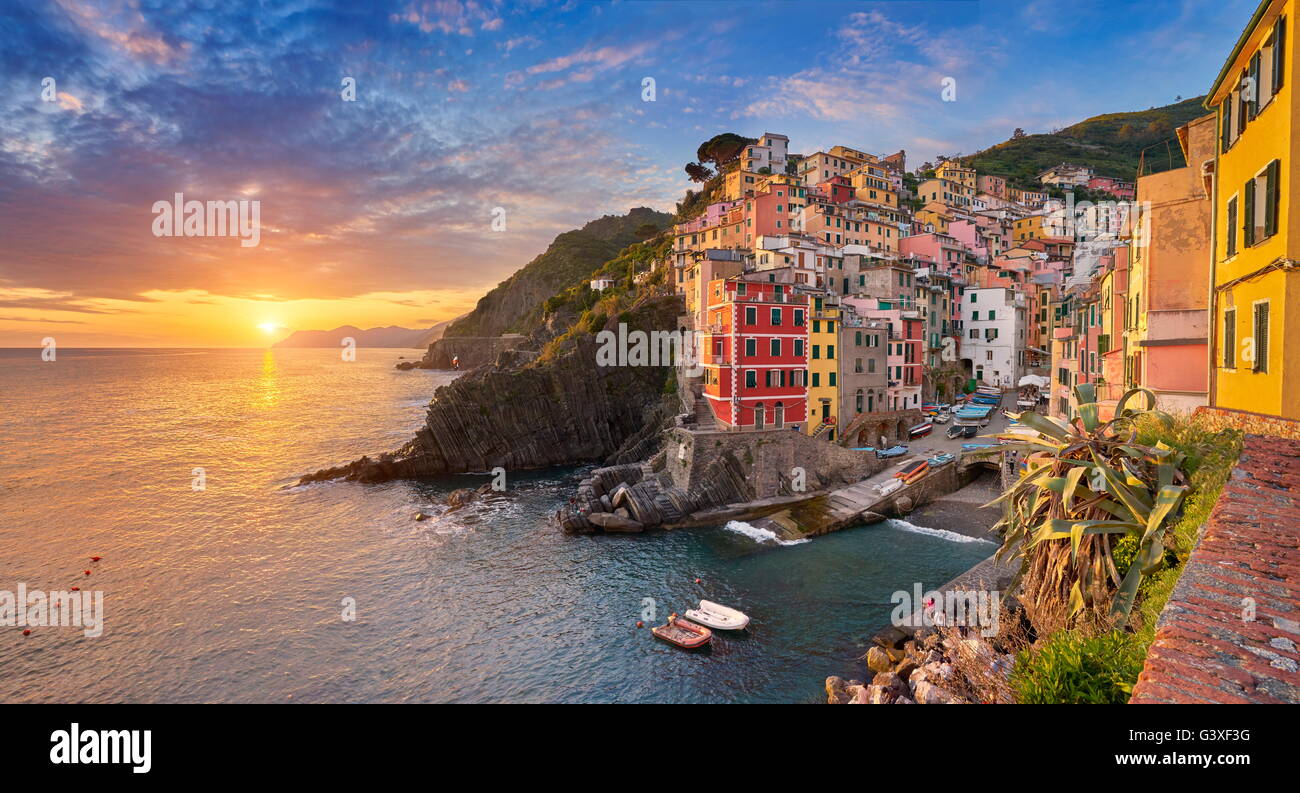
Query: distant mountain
x=391 y=336
x=515 y=305
x=1111 y=144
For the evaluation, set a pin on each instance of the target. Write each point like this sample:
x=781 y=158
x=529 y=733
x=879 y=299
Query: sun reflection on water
x=269 y=386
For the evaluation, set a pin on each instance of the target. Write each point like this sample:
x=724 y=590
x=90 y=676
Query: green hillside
x=1111 y=144
x=515 y=305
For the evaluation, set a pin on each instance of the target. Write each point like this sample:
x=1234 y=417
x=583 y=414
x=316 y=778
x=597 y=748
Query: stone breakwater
x=935 y=668
x=562 y=411
x=707 y=477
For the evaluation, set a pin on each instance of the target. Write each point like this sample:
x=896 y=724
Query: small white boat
x=716 y=616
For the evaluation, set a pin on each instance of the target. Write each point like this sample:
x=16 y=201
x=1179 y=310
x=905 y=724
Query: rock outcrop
x=561 y=411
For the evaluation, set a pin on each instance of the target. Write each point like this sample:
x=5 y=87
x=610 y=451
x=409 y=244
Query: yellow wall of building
x=1269 y=136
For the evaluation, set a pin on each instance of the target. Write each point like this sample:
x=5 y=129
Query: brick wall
x=1230 y=630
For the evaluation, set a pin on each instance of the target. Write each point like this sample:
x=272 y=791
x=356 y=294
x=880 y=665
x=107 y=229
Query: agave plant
x=1086 y=484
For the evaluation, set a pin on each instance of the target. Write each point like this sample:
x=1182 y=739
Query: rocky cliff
x=562 y=410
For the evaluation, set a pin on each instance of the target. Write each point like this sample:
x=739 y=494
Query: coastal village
x=835 y=292
x=1102 y=361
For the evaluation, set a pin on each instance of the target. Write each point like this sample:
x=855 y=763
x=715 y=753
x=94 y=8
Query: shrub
x=1069 y=668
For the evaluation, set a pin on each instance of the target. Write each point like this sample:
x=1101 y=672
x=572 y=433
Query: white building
x=770 y=152
x=993 y=344
x=601 y=284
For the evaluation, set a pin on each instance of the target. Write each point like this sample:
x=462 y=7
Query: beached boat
x=941 y=417
x=718 y=616
x=892 y=451
x=940 y=459
x=920 y=430
x=910 y=469
x=888 y=487
x=683 y=633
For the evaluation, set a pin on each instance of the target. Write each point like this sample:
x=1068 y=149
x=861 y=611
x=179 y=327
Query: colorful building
x=1256 y=287
x=756 y=353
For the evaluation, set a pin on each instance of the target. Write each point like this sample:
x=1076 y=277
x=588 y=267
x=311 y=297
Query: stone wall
x=767 y=456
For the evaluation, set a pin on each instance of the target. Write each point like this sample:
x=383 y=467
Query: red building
x=756 y=353
x=1119 y=188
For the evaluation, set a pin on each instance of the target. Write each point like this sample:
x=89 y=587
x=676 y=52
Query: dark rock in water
x=405 y=365
x=561 y=411
x=611 y=522
x=461 y=497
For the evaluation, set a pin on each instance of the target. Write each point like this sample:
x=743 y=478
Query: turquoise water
x=234 y=593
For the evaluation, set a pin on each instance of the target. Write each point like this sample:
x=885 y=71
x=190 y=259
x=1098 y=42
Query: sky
x=476 y=132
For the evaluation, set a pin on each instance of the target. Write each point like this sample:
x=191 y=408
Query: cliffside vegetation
x=515 y=305
x=1112 y=144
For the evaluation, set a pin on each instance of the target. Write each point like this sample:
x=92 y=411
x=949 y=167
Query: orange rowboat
x=683 y=633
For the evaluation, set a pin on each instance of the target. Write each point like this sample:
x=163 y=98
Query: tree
x=1019 y=133
x=722 y=148
x=697 y=172
x=647 y=230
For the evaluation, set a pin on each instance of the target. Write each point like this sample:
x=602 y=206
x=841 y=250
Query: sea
x=224 y=581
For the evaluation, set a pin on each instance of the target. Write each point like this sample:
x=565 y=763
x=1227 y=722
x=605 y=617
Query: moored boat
x=920 y=430
x=718 y=617
x=683 y=633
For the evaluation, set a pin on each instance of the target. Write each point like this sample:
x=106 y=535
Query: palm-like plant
x=1087 y=482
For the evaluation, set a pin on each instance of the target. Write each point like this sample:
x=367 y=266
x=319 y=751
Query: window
x=751 y=378
x=974 y=333
x=817 y=351
x=1230 y=338
x=1231 y=243
x=798 y=317
x=751 y=315
x=776 y=316
x=751 y=347
x=798 y=348
x=831 y=378
x=776 y=348
x=817 y=380
x=871 y=365
x=830 y=351
x=993 y=314
x=1261 y=337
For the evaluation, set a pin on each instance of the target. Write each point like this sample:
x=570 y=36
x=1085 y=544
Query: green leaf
x=1085 y=396
x=1167 y=500
x=1046 y=425
x=1071 y=484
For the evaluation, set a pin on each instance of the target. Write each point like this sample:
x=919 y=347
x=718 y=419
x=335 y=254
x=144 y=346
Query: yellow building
x=871 y=185
x=956 y=172
x=823 y=366
x=1255 y=288
x=948 y=193
x=1029 y=228
x=737 y=183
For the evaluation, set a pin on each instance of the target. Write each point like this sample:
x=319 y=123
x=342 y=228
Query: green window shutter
x=1225 y=132
x=1261 y=337
x=1230 y=247
x=1254 y=82
x=1279 y=53
x=1248 y=213
x=1270 y=198
x=1230 y=338
x=832 y=378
